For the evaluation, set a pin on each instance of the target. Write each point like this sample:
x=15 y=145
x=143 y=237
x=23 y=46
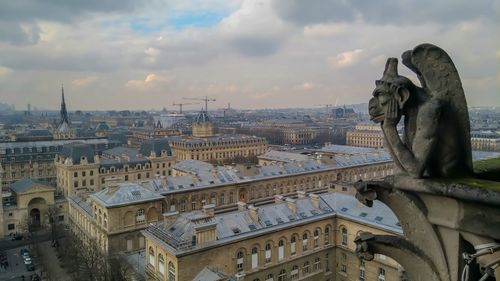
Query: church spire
x=64 y=112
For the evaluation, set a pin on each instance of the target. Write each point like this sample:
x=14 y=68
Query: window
x=344 y=236
x=305 y=268
x=126 y=177
x=282 y=275
x=11 y=226
x=304 y=242
x=139 y=216
x=171 y=271
x=239 y=262
x=327 y=235
x=381 y=274
x=255 y=257
x=91 y=173
x=75 y=184
x=92 y=182
x=139 y=176
x=75 y=174
x=83 y=173
x=293 y=243
x=183 y=205
x=317 y=264
x=221 y=201
x=268 y=253
x=294 y=274
x=361 y=274
x=343 y=262
x=84 y=182
x=151 y=257
x=327 y=262
x=281 y=250
x=161 y=264
x=231 y=197
x=316 y=239
x=193 y=203
x=269 y=277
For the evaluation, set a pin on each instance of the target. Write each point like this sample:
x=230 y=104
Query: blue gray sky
x=129 y=54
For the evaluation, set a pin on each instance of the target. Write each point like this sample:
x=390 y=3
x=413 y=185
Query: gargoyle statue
x=436 y=139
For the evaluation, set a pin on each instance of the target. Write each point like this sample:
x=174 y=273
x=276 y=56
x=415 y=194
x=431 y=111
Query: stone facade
x=79 y=170
x=217 y=148
x=317 y=248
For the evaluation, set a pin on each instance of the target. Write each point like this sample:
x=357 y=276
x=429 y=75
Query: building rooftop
x=125 y=193
x=283 y=156
x=236 y=225
x=213 y=139
x=78 y=151
x=25 y=184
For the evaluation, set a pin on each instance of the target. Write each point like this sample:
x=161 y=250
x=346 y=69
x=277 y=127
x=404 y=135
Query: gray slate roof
x=156 y=145
x=75 y=151
x=126 y=193
x=24 y=185
x=234 y=225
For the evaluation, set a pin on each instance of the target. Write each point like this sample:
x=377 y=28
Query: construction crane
x=181 y=104
x=327 y=105
x=205 y=99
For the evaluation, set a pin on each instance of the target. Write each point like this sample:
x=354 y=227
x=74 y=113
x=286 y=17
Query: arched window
x=327 y=235
x=317 y=264
x=139 y=216
x=344 y=236
x=239 y=261
x=269 y=277
x=293 y=245
x=294 y=274
x=161 y=264
x=268 y=253
x=282 y=275
x=305 y=268
x=255 y=257
x=151 y=257
x=304 y=242
x=316 y=239
x=171 y=271
x=281 y=250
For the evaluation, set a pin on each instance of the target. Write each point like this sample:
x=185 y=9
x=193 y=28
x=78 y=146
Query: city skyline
x=252 y=54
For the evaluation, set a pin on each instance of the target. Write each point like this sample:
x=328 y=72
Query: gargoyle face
x=378 y=104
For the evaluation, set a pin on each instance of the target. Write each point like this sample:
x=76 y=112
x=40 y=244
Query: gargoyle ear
x=402 y=96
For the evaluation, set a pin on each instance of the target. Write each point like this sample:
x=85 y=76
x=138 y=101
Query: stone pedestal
x=444 y=221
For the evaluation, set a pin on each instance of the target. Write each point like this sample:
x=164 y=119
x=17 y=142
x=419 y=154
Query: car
x=35 y=278
x=27 y=261
x=16 y=237
x=25 y=255
x=24 y=251
x=31 y=267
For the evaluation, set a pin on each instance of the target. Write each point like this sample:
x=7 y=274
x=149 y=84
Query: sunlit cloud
x=85 y=81
x=346 y=59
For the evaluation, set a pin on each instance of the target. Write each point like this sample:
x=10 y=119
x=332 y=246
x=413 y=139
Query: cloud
x=309 y=86
x=4 y=72
x=151 y=80
x=85 y=81
x=345 y=59
x=383 y=12
x=325 y=30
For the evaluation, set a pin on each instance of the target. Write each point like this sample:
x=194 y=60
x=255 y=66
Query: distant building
x=485 y=141
x=29 y=204
x=308 y=238
x=64 y=130
x=366 y=135
x=80 y=170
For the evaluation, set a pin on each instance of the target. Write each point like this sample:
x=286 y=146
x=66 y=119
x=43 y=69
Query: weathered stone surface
x=436 y=140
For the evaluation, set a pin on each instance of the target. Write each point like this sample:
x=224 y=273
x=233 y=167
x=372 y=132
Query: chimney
x=170 y=217
x=291 y=205
x=163 y=181
x=278 y=199
x=301 y=194
x=314 y=200
x=209 y=209
x=241 y=206
x=254 y=213
x=112 y=184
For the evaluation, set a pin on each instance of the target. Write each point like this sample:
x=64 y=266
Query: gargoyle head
x=390 y=86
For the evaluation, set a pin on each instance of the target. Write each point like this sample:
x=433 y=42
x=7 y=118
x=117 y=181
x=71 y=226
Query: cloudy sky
x=131 y=54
